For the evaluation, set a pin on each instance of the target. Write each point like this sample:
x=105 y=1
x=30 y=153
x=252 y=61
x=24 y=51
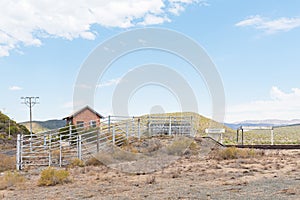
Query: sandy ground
x=275 y=175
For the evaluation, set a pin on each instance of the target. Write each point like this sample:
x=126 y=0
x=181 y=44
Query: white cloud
x=26 y=23
x=109 y=83
x=281 y=105
x=270 y=26
x=15 y=88
x=178 y=6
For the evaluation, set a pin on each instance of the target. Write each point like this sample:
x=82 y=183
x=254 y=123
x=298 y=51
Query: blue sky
x=254 y=44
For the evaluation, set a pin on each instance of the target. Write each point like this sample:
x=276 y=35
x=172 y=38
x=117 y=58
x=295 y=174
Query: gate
x=59 y=147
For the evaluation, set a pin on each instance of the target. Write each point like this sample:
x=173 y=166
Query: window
x=93 y=124
x=80 y=124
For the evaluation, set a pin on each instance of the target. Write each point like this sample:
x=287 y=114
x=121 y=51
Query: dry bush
x=130 y=148
x=152 y=145
x=234 y=153
x=7 y=162
x=179 y=146
x=76 y=162
x=93 y=162
x=122 y=155
x=51 y=176
x=11 y=179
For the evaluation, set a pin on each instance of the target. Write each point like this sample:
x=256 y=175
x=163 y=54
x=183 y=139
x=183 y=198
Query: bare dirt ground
x=272 y=175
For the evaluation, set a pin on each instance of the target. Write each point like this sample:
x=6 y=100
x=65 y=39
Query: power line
x=30 y=102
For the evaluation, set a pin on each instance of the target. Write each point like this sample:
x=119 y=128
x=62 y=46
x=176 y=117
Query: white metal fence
x=59 y=147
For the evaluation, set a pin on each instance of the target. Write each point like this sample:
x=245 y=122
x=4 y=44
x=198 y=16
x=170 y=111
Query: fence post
x=18 y=156
x=221 y=139
x=170 y=125
x=60 y=150
x=70 y=131
x=79 y=147
x=45 y=141
x=113 y=136
x=21 y=150
x=49 y=156
x=242 y=136
x=127 y=134
x=98 y=136
x=132 y=128
x=139 y=128
x=272 y=136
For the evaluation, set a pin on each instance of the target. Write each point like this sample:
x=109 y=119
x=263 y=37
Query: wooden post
x=242 y=136
x=139 y=128
x=272 y=136
x=98 y=137
x=237 y=136
x=113 y=136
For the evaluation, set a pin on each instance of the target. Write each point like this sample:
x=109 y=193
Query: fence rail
x=59 y=147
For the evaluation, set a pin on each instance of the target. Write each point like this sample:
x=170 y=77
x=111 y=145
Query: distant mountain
x=271 y=121
x=267 y=122
x=39 y=126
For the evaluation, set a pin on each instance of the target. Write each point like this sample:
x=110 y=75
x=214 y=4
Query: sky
x=254 y=46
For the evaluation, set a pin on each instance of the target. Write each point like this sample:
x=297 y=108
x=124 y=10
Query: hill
x=40 y=126
x=9 y=127
x=267 y=122
x=201 y=123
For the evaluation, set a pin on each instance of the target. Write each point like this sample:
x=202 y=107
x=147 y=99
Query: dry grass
x=234 y=153
x=7 y=162
x=93 y=162
x=10 y=179
x=76 y=162
x=179 y=146
x=51 y=176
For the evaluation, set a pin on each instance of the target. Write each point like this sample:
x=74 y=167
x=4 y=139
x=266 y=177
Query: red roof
x=81 y=110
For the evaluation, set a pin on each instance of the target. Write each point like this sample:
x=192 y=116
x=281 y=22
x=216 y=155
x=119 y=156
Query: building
x=85 y=117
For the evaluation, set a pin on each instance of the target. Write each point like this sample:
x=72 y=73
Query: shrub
x=51 y=176
x=76 y=162
x=93 y=162
x=235 y=153
x=10 y=179
x=7 y=162
x=179 y=146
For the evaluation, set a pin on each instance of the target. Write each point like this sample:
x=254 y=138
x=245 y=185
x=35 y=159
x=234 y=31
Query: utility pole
x=8 y=128
x=30 y=102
